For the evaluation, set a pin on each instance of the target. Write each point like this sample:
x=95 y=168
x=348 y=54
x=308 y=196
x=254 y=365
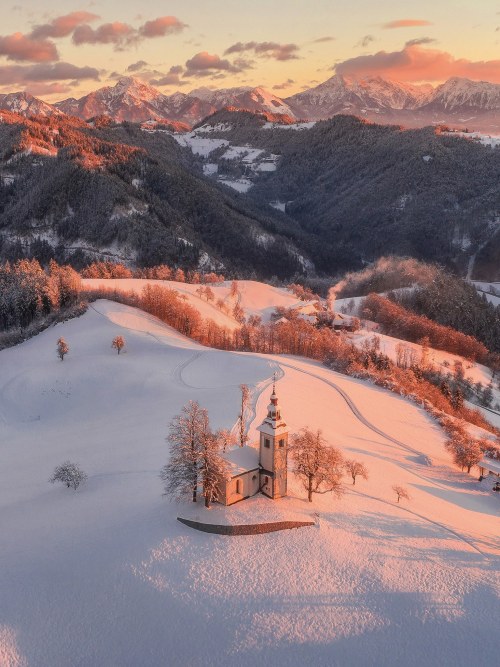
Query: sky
x=57 y=50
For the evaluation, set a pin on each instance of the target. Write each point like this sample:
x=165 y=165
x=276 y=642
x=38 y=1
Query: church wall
x=248 y=484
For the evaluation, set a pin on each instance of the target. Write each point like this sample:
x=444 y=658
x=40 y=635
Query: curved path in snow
x=400 y=444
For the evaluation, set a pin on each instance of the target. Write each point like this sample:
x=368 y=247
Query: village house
x=262 y=470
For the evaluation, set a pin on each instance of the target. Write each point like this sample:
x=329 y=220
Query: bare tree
x=213 y=468
x=318 y=465
x=194 y=456
x=401 y=492
x=62 y=348
x=355 y=469
x=118 y=343
x=181 y=474
x=226 y=438
x=70 y=474
x=245 y=400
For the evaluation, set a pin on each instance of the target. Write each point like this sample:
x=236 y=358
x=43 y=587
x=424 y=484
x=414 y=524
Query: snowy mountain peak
x=27 y=105
x=464 y=93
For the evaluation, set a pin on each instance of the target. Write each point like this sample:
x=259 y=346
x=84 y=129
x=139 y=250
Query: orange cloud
x=107 y=33
x=123 y=35
x=62 y=26
x=415 y=63
x=206 y=64
x=405 y=23
x=163 y=25
x=23 y=47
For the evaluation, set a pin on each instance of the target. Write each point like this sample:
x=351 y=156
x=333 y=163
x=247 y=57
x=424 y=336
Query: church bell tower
x=273 y=451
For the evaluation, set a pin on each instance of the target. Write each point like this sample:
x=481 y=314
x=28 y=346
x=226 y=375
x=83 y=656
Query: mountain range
x=457 y=102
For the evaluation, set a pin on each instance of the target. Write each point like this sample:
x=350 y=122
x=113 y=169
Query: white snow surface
x=202 y=146
x=291 y=126
x=107 y=576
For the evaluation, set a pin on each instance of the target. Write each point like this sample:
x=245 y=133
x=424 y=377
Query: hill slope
x=107 y=575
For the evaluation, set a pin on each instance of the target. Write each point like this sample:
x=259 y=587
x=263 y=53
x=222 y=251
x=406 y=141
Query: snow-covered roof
x=340 y=318
x=491 y=464
x=241 y=459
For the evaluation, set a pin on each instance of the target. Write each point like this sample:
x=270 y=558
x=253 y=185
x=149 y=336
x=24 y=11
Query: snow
x=238 y=184
x=490 y=464
x=242 y=459
x=427 y=158
x=107 y=576
x=246 y=154
x=278 y=205
x=210 y=168
x=202 y=146
x=291 y=126
x=218 y=127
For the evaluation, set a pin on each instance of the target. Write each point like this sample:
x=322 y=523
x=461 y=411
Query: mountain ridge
x=374 y=98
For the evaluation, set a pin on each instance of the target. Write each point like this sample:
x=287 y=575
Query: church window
x=238 y=486
x=267 y=443
x=282 y=442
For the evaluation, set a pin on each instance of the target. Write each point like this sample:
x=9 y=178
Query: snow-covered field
x=255 y=298
x=107 y=576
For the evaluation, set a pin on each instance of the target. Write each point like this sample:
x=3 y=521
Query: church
x=253 y=471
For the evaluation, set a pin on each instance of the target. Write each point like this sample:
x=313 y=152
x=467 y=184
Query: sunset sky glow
x=57 y=50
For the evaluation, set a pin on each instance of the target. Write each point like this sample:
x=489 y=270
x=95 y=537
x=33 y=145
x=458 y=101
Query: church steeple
x=273 y=449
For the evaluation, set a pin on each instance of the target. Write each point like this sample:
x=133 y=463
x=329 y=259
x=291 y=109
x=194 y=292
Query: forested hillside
x=331 y=197
x=73 y=191
x=366 y=190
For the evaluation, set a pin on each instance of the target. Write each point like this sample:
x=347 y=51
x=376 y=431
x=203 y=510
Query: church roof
x=241 y=459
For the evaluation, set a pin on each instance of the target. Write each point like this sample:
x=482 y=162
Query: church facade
x=253 y=471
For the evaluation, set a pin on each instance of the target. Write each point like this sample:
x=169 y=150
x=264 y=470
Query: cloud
x=44 y=72
x=415 y=63
x=116 y=33
x=48 y=88
x=172 y=78
x=320 y=40
x=136 y=67
x=163 y=25
x=405 y=23
x=283 y=86
x=420 y=41
x=62 y=26
x=364 y=41
x=206 y=64
x=21 y=47
x=123 y=35
x=266 y=50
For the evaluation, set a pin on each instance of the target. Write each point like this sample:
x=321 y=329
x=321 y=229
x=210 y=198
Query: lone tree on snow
x=118 y=343
x=401 y=492
x=70 y=474
x=318 y=465
x=62 y=348
x=194 y=456
x=355 y=469
x=245 y=400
